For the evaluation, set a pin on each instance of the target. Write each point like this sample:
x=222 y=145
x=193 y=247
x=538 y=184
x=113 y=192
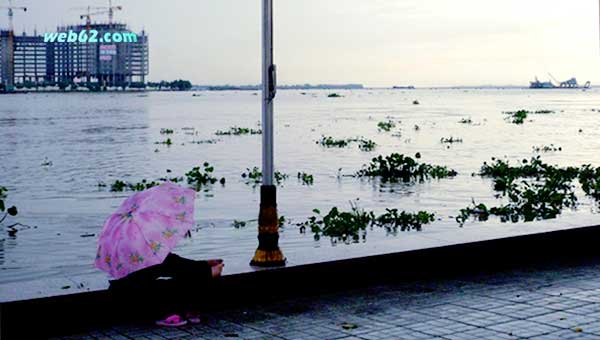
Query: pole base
x=268 y=253
x=268 y=258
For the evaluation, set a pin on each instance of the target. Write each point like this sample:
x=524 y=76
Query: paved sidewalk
x=555 y=302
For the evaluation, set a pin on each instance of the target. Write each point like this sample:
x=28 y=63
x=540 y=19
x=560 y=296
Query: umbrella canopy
x=145 y=228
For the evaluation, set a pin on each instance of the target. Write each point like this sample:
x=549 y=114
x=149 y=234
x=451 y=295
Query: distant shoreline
x=293 y=88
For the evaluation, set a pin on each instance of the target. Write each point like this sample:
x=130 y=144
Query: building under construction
x=32 y=60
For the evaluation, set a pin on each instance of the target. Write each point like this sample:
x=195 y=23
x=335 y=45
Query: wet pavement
x=552 y=301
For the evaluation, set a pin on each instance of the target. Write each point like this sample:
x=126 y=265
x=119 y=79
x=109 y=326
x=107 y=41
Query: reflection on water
x=92 y=138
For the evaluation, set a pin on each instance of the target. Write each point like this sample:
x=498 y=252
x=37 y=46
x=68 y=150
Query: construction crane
x=10 y=72
x=110 y=10
x=88 y=16
x=551 y=76
x=11 y=12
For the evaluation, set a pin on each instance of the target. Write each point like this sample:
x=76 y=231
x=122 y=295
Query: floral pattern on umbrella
x=144 y=229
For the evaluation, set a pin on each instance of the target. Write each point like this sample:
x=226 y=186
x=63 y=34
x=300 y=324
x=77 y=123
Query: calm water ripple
x=92 y=138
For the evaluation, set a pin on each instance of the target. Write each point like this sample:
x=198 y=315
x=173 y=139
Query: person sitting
x=169 y=286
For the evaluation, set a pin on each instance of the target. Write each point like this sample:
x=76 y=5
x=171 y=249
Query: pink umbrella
x=144 y=230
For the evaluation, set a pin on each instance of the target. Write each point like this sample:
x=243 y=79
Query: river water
x=56 y=148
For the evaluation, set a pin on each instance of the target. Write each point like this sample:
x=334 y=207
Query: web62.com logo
x=91 y=36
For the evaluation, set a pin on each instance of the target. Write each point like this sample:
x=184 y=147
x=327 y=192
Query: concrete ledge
x=67 y=314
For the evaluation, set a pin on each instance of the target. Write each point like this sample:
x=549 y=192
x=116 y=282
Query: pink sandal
x=172 y=321
x=193 y=318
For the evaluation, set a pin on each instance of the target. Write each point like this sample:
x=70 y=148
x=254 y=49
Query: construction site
x=31 y=61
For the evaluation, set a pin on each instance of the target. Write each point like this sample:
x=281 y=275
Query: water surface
x=92 y=138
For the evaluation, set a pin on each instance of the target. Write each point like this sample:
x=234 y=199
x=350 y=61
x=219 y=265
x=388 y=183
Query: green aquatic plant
x=167 y=142
x=363 y=143
x=518 y=117
x=397 y=167
x=254 y=176
x=238 y=224
x=546 y=148
x=347 y=227
x=386 y=126
x=238 y=131
x=164 y=131
x=527 y=202
x=351 y=226
x=143 y=185
x=205 y=141
x=10 y=211
x=589 y=178
x=171 y=179
x=330 y=142
x=450 y=140
x=282 y=221
x=202 y=176
x=391 y=220
x=196 y=178
x=366 y=144
x=306 y=179
x=120 y=186
x=504 y=174
x=535 y=190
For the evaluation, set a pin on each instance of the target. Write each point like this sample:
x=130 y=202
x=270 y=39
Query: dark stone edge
x=69 y=314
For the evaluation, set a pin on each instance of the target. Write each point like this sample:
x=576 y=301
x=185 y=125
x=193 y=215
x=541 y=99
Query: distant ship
x=567 y=84
x=409 y=87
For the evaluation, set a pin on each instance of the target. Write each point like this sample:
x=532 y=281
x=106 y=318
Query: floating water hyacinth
x=167 y=142
x=198 y=177
x=397 y=167
x=254 y=176
x=329 y=141
x=518 y=117
x=450 y=140
x=386 y=126
x=306 y=179
x=11 y=211
x=351 y=226
x=546 y=148
x=542 y=192
x=363 y=143
x=238 y=131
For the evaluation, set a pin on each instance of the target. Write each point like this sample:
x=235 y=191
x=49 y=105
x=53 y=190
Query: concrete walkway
x=549 y=302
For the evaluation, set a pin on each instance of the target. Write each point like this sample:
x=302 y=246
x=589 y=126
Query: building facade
x=39 y=60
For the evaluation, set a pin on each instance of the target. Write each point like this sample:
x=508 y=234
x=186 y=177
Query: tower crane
x=88 y=16
x=551 y=76
x=11 y=12
x=10 y=72
x=110 y=10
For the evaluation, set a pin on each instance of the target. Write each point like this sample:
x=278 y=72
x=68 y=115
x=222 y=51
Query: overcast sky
x=374 y=42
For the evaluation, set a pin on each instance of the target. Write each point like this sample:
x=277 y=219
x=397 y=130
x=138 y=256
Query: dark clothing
x=182 y=282
x=174 y=267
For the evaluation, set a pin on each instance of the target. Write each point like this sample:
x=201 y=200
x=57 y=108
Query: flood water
x=92 y=138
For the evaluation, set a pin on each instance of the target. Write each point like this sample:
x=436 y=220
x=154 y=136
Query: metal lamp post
x=268 y=253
